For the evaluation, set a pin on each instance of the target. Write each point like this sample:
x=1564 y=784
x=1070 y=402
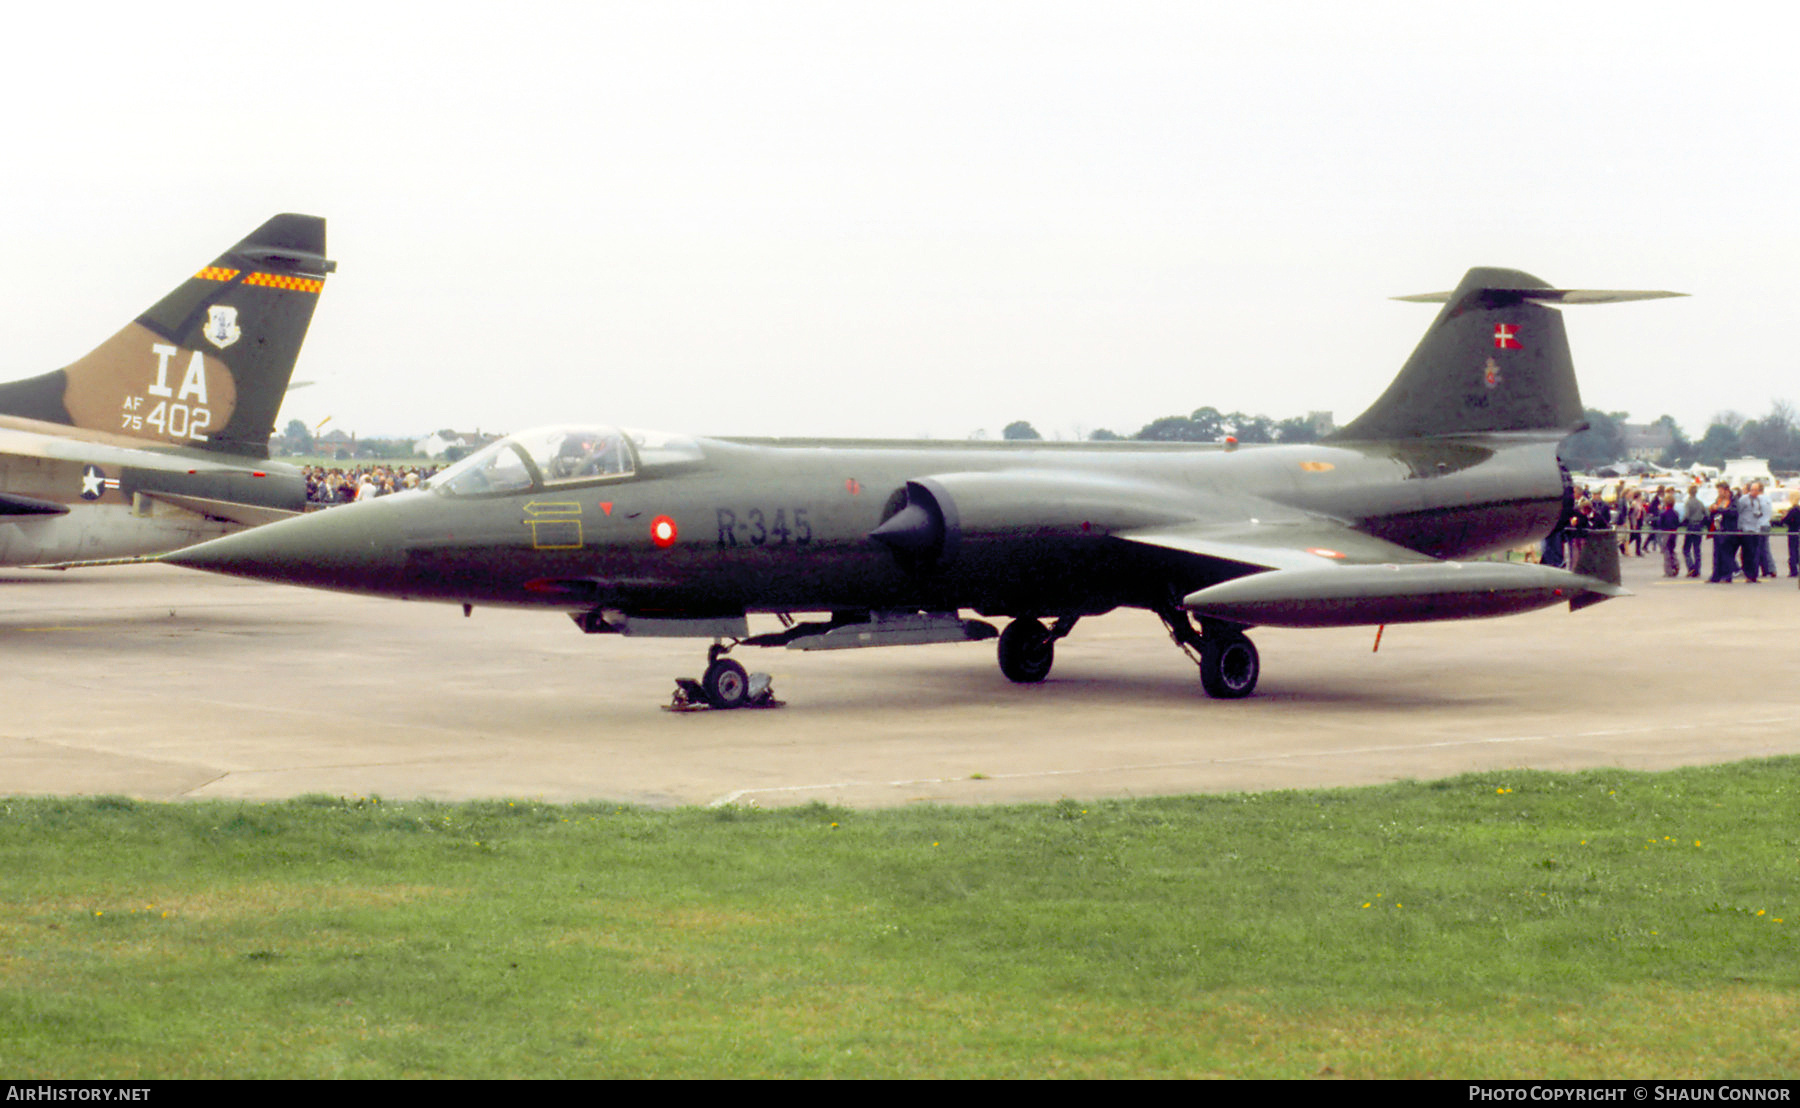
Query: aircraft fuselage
x=765 y=526
x=70 y=497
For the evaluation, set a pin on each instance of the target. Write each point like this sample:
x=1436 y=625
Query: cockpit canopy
x=551 y=456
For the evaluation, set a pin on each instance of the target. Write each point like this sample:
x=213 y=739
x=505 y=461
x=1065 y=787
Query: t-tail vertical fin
x=1495 y=359
x=208 y=365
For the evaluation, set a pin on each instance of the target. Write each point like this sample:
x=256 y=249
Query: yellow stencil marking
x=555 y=524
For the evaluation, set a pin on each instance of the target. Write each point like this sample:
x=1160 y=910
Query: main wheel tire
x=1026 y=651
x=726 y=685
x=1229 y=666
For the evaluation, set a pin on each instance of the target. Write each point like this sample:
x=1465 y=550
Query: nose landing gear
x=725 y=684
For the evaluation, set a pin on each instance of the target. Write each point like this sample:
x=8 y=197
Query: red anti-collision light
x=662 y=532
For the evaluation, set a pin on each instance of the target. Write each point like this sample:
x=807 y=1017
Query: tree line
x=1775 y=436
x=1203 y=425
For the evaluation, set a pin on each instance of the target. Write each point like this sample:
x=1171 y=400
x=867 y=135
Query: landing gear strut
x=1229 y=664
x=724 y=685
x=1028 y=648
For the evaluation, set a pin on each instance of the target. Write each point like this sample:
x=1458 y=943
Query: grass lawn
x=1509 y=924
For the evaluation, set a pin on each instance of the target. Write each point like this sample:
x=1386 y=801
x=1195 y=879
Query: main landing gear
x=1028 y=648
x=725 y=684
x=1229 y=664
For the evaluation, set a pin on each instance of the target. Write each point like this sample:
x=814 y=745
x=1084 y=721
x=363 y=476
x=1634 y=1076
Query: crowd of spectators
x=1739 y=521
x=325 y=487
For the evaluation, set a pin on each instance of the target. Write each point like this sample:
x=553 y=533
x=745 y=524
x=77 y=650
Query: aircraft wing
x=1322 y=573
x=1297 y=545
x=13 y=504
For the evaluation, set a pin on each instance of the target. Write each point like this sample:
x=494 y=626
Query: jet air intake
x=920 y=525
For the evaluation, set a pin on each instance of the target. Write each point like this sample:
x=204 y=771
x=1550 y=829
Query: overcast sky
x=908 y=218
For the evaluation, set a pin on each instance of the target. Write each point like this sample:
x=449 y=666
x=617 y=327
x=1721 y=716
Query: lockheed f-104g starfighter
x=642 y=533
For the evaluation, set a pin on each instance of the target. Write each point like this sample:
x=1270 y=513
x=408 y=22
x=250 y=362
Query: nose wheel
x=725 y=684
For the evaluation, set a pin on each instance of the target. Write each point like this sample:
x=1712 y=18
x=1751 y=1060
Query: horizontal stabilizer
x=1351 y=596
x=1551 y=296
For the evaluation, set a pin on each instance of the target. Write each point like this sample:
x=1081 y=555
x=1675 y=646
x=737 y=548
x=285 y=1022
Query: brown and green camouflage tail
x=207 y=367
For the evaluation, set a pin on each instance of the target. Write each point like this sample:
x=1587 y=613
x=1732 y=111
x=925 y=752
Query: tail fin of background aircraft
x=208 y=365
x=1495 y=359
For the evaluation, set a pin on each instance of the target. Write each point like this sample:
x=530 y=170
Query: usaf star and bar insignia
x=95 y=483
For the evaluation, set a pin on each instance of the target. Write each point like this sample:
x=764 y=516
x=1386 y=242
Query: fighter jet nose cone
x=248 y=553
x=352 y=547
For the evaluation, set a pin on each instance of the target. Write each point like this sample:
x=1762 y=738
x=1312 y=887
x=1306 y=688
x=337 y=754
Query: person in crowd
x=1694 y=518
x=1550 y=553
x=1765 y=555
x=1753 y=520
x=1724 y=521
x=1791 y=520
x=1666 y=521
x=1581 y=526
x=1632 y=513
